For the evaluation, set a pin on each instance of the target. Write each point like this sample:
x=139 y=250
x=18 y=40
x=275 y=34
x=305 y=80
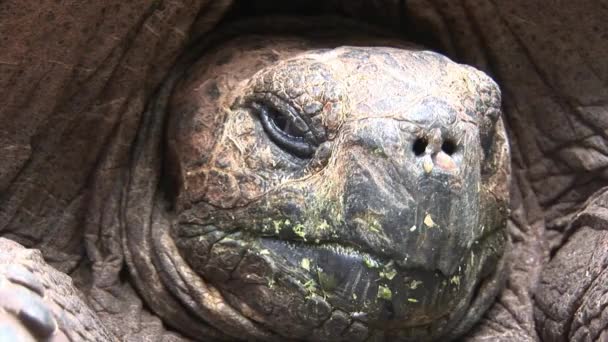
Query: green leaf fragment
x=414 y=284
x=389 y=272
x=305 y=264
x=277 y=226
x=310 y=286
x=428 y=221
x=384 y=292
x=369 y=262
x=375 y=226
x=299 y=231
x=323 y=226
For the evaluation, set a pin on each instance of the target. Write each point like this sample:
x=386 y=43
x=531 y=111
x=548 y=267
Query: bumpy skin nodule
x=388 y=224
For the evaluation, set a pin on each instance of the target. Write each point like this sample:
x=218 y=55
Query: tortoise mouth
x=374 y=289
x=273 y=275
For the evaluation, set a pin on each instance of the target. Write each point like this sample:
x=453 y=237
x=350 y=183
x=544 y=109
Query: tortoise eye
x=286 y=130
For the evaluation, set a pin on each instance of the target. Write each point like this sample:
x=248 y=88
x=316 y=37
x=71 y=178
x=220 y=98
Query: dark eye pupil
x=283 y=123
x=284 y=132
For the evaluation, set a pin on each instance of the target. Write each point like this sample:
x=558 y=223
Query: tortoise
x=288 y=173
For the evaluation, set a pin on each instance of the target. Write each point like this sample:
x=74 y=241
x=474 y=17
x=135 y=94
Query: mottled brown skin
x=83 y=178
x=380 y=216
x=348 y=208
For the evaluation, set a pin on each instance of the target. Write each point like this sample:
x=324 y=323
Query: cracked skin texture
x=62 y=186
x=394 y=241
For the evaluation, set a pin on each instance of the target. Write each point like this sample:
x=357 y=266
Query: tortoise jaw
x=384 y=295
x=350 y=277
x=357 y=281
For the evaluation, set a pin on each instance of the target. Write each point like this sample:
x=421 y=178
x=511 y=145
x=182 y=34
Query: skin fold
x=311 y=178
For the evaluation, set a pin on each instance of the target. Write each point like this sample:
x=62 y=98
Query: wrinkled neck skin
x=318 y=180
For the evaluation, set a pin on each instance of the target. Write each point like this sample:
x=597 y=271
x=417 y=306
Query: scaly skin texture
x=74 y=81
x=318 y=192
x=366 y=236
x=44 y=301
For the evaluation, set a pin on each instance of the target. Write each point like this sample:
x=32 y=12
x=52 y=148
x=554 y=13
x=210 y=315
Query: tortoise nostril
x=449 y=147
x=419 y=146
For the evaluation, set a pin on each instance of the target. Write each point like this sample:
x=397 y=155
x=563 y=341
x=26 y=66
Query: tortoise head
x=331 y=192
